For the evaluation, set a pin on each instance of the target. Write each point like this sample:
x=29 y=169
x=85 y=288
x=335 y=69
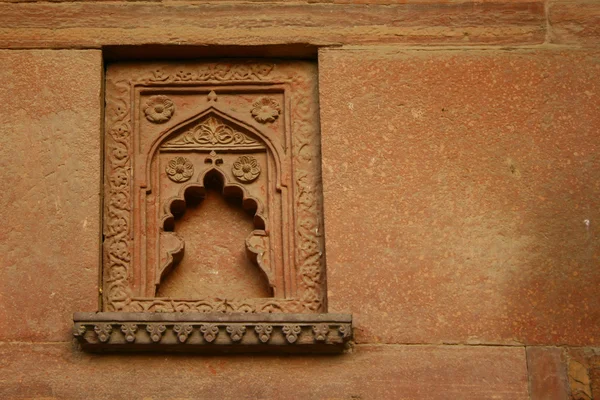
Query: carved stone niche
x=212 y=211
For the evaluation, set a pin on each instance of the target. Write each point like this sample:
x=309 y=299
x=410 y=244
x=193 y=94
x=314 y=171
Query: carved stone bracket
x=210 y=332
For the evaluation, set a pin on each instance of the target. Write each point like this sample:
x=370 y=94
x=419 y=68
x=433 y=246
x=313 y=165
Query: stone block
x=462 y=194
x=574 y=22
x=72 y=25
x=50 y=185
x=370 y=372
x=547 y=368
x=584 y=372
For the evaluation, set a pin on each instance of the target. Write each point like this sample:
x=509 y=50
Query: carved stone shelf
x=213 y=332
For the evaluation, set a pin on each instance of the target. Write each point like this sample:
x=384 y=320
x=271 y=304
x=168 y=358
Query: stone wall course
x=547 y=371
x=49 y=191
x=76 y=25
x=574 y=22
x=461 y=192
x=371 y=372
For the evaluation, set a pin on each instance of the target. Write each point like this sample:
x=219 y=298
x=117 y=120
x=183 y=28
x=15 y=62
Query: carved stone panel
x=212 y=212
x=212 y=189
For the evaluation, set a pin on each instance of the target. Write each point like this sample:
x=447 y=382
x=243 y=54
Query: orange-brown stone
x=50 y=185
x=371 y=372
x=574 y=22
x=547 y=368
x=68 y=24
x=461 y=193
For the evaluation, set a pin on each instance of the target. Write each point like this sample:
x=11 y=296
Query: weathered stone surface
x=584 y=373
x=378 y=372
x=574 y=22
x=547 y=373
x=461 y=193
x=68 y=25
x=49 y=185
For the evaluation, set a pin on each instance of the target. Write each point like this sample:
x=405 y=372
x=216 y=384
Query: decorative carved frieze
x=212 y=332
x=211 y=132
x=236 y=332
x=129 y=332
x=291 y=332
x=183 y=331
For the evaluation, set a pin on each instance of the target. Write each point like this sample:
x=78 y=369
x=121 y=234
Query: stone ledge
x=213 y=332
x=69 y=25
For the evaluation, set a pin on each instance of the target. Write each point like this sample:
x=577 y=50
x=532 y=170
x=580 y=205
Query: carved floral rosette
x=309 y=261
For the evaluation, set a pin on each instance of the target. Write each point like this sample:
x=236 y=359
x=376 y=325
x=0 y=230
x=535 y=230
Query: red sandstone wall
x=460 y=161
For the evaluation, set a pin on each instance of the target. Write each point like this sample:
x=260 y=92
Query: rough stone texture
x=584 y=373
x=49 y=185
x=73 y=25
x=574 y=22
x=378 y=372
x=459 y=220
x=462 y=194
x=547 y=373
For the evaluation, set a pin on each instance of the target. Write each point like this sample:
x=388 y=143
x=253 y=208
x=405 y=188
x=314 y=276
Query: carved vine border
x=117 y=231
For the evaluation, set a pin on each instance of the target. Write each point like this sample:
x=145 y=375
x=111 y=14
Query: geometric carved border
x=309 y=261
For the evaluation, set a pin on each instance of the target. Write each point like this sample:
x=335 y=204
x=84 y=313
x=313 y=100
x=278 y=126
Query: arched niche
x=153 y=118
x=213 y=144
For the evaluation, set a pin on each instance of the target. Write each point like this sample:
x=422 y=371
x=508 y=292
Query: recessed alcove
x=213 y=228
x=221 y=266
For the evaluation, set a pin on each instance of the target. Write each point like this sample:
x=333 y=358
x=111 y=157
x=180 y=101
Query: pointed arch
x=255 y=241
x=235 y=122
x=230 y=189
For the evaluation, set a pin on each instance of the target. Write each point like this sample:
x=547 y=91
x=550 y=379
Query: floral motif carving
x=309 y=223
x=265 y=109
x=179 y=169
x=236 y=332
x=156 y=332
x=118 y=275
x=264 y=332
x=183 y=331
x=215 y=72
x=291 y=332
x=116 y=259
x=321 y=331
x=159 y=109
x=129 y=332
x=212 y=131
x=221 y=306
x=246 y=169
x=209 y=332
x=345 y=330
x=103 y=331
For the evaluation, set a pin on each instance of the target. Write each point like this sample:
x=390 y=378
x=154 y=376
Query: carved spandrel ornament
x=173 y=134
